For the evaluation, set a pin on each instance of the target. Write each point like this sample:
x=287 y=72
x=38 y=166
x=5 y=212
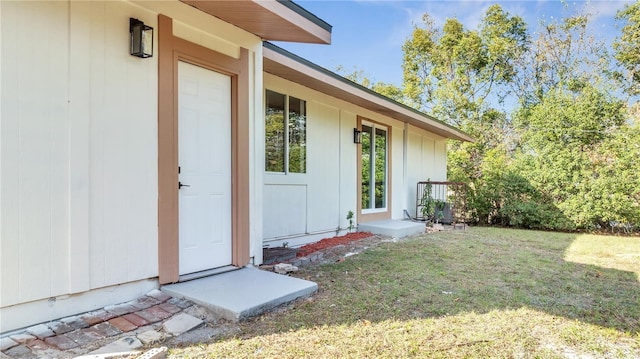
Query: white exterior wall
x=302 y=208
x=78 y=152
x=79 y=156
x=426 y=160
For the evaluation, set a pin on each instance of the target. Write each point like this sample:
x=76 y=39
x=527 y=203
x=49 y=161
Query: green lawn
x=484 y=292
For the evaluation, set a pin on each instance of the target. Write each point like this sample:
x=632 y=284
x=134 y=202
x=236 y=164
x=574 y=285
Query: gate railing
x=441 y=202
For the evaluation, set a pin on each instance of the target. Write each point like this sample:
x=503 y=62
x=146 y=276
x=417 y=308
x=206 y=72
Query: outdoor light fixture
x=141 y=38
x=357 y=136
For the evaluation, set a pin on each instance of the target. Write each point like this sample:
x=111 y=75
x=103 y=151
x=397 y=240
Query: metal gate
x=441 y=202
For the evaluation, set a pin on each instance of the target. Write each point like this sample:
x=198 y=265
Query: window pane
x=297 y=135
x=381 y=168
x=274 y=132
x=366 y=166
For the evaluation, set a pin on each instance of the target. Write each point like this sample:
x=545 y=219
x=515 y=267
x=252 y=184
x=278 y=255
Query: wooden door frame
x=172 y=49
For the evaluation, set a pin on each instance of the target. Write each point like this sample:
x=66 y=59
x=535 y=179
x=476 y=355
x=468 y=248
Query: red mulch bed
x=331 y=242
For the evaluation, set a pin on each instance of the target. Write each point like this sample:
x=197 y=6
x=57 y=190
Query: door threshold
x=207 y=273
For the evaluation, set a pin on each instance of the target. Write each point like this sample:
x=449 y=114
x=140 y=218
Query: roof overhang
x=274 y=20
x=284 y=64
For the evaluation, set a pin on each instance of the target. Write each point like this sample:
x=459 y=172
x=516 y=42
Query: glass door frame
x=374 y=214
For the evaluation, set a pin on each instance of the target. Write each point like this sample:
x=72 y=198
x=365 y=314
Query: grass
x=484 y=292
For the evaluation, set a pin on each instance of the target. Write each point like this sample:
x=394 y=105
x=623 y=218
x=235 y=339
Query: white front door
x=204 y=128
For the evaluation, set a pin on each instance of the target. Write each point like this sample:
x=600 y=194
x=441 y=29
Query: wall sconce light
x=357 y=136
x=141 y=38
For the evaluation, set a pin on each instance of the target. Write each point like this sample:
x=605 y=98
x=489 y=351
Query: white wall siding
x=426 y=160
x=285 y=210
x=123 y=148
x=256 y=150
x=440 y=148
x=332 y=176
x=34 y=151
x=283 y=205
x=397 y=185
x=79 y=133
x=324 y=167
x=348 y=165
x=420 y=160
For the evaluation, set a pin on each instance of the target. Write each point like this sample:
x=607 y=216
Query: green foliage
x=350 y=219
x=427 y=202
x=563 y=55
x=275 y=124
x=452 y=72
x=389 y=90
x=297 y=143
x=568 y=158
x=578 y=151
x=274 y=140
x=374 y=153
x=501 y=196
x=628 y=45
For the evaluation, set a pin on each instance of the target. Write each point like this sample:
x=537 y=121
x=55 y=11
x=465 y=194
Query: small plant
x=439 y=210
x=285 y=244
x=427 y=202
x=350 y=219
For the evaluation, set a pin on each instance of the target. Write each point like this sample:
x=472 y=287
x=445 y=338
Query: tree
x=573 y=131
x=574 y=151
x=568 y=157
x=454 y=72
x=564 y=55
x=627 y=47
x=389 y=90
x=461 y=76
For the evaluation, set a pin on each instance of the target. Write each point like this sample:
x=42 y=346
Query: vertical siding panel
x=141 y=160
x=97 y=226
x=396 y=173
x=133 y=160
x=9 y=180
x=348 y=162
x=428 y=150
x=57 y=23
x=415 y=169
x=323 y=151
x=33 y=138
x=34 y=149
x=116 y=138
x=123 y=150
x=440 y=153
x=38 y=131
x=79 y=148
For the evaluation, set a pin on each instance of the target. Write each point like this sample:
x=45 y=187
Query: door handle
x=180 y=185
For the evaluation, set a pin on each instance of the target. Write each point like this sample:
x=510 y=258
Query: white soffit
x=274 y=20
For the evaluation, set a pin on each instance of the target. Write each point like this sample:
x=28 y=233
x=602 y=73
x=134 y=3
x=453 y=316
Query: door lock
x=180 y=185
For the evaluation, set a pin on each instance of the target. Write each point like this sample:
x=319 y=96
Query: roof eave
x=273 y=20
x=282 y=63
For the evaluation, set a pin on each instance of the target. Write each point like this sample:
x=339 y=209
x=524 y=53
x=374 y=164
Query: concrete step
x=242 y=293
x=396 y=228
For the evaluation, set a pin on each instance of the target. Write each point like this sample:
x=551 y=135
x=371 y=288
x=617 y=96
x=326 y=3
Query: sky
x=368 y=35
